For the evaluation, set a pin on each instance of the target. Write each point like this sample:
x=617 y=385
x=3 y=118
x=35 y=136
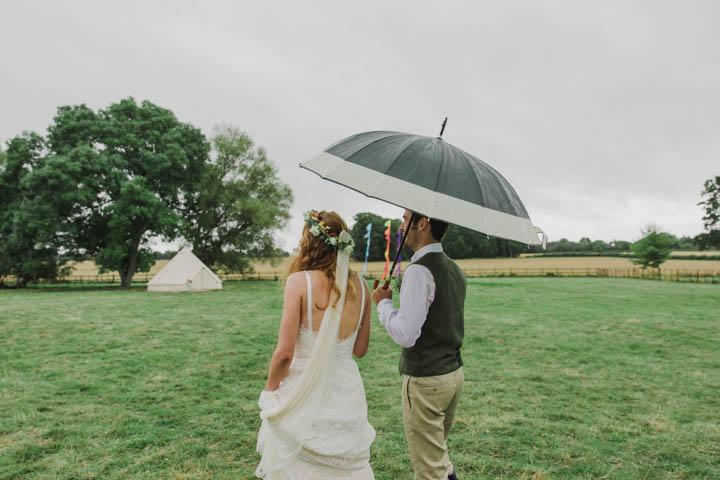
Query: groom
x=429 y=326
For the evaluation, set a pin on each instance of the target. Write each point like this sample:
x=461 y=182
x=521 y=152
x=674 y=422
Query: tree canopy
x=461 y=242
x=28 y=234
x=116 y=178
x=653 y=248
x=101 y=184
x=711 y=220
x=378 y=244
x=239 y=206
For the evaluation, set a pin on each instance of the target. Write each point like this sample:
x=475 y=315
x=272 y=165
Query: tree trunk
x=127 y=276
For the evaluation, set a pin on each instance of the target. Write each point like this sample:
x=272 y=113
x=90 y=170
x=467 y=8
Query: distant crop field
x=550 y=263
x=88 y=269
x=703 y=253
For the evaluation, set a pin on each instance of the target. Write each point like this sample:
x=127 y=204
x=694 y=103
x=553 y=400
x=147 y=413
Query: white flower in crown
x=346 y=242
x=333 y=241
x=306 y=215
x=315 y=230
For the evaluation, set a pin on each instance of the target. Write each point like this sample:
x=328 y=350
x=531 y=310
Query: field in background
x=502 y=265
x=677 y=253
x=565 y=379
x=702 y=253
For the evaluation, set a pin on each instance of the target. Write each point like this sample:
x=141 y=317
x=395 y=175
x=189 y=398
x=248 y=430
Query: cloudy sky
x=604 y=116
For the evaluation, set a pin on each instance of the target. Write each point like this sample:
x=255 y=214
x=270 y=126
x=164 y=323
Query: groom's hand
x=380 y=293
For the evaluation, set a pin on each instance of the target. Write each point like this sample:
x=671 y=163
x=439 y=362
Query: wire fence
x=672 y=275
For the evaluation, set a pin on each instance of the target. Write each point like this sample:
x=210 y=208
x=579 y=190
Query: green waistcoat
x=437 y=350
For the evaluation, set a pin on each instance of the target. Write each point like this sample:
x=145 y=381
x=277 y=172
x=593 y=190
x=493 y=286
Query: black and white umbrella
x=431 y=177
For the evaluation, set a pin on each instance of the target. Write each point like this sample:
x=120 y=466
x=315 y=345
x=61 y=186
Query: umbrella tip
x=442 y=129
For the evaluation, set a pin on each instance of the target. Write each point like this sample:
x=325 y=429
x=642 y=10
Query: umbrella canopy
x=431 y=177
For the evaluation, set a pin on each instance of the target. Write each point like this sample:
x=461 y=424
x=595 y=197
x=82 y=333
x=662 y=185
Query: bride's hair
x=315 y=254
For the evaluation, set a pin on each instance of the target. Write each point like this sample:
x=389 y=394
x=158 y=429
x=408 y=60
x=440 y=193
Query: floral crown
x=318 y=228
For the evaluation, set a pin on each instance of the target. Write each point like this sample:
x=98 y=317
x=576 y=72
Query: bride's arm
x=363 y=337
x=289 y=325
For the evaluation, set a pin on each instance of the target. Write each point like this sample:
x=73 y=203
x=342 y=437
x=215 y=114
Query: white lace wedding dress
x=337 y=443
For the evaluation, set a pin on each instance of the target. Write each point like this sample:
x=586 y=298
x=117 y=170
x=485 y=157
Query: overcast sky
x=604 y=116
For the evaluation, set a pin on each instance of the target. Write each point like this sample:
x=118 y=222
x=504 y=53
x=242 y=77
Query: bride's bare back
x=321 y=292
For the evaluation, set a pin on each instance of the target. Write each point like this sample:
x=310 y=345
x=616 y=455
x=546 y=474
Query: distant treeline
x=458 y=242
x=585 y=245
x=165 y=255
x=461 y=242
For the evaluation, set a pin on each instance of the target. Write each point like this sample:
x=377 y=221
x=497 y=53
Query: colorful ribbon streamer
x=388 y=224
x=367 y=249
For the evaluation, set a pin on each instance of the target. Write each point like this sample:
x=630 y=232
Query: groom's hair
x=438 y=228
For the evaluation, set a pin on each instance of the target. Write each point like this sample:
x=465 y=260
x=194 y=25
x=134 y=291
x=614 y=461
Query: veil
x=287 y=421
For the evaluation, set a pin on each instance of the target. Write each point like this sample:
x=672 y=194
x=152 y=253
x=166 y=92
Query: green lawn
x=565 y=378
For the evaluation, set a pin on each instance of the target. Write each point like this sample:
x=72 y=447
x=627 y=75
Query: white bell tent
x=184 y=273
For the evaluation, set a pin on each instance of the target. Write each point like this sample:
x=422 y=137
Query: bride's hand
x=268 y=399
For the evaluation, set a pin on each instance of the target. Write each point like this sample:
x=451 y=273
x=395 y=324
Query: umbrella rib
x=381 y=179
x=476 y=177
x=437 y=180
x=400 y=154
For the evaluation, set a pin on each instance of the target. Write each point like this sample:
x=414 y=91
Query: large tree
x=653 y=248
x=239 y=206
x=711 y=220
x=28 y=226
x=118 y=177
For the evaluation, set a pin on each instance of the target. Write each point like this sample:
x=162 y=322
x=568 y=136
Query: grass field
x=565 y=378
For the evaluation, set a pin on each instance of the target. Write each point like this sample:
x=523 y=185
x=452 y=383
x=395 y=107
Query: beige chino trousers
x=428 y=405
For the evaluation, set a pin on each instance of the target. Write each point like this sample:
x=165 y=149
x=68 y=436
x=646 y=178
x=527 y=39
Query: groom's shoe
x=453 y=476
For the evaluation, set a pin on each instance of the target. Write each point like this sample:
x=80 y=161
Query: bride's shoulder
x=358 y=279
x=293 y=277
x=295 y=282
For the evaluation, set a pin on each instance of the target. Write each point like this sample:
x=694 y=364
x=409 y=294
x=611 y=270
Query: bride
x=313 y=408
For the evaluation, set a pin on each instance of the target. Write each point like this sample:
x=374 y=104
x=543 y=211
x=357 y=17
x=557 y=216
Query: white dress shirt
x=416 y=295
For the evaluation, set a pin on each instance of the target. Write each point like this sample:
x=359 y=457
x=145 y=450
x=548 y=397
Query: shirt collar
x=431 y=248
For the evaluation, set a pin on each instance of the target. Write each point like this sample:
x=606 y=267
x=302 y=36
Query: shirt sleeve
x=416 y=295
